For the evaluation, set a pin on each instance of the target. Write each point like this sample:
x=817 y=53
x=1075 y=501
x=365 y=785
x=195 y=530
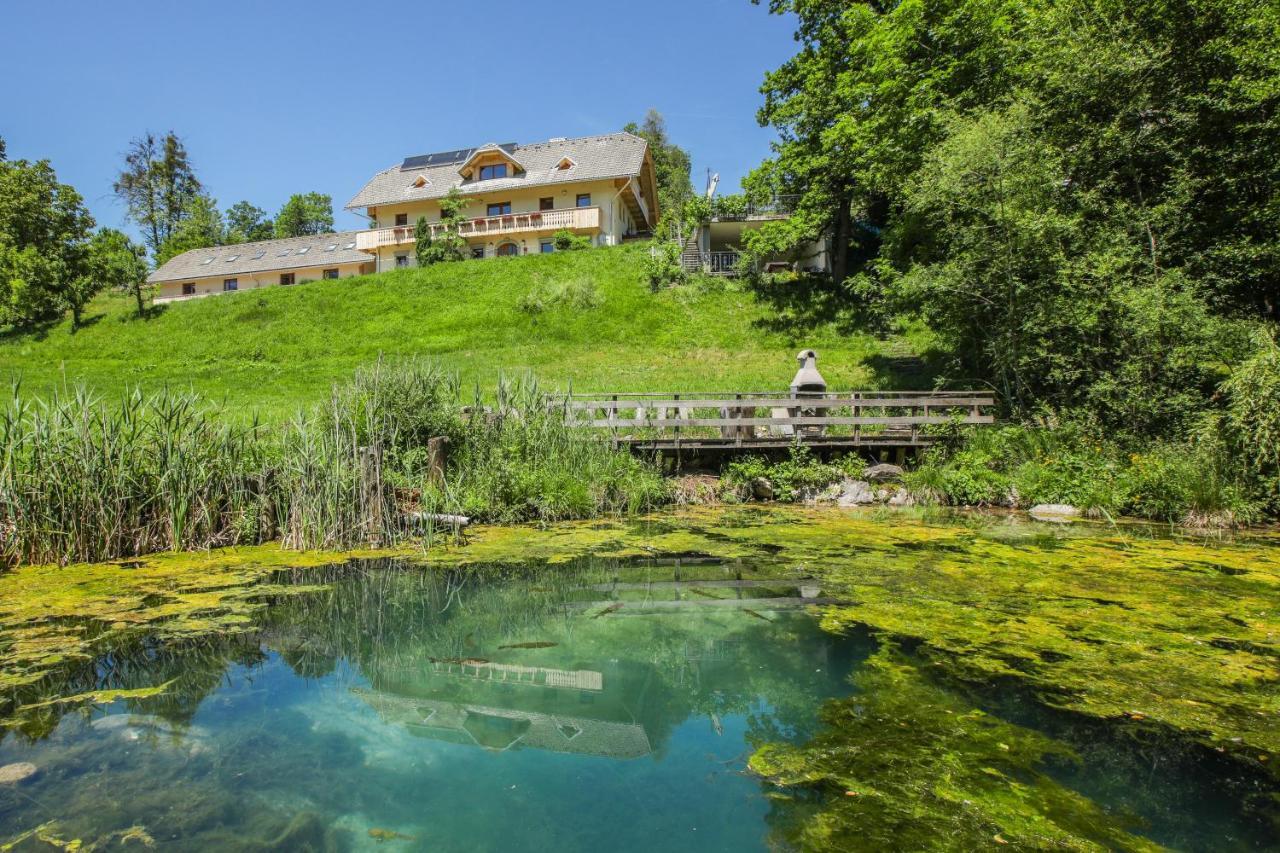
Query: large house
x=518 y=198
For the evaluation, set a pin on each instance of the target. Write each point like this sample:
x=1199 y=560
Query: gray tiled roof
x=615 y=155
x=229 y=261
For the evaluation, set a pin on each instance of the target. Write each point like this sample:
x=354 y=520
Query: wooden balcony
x=510 y=224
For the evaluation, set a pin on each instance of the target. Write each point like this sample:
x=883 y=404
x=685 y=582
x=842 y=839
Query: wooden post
x=371 y=492
x=437 y=458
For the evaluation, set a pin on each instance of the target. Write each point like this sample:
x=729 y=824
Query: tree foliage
x=671 y=163
x=200 y=228
x=44 y=232
x=448 y=245
x=158 y=186
x=247 y=223
x=305 y=214
x=118 y=263
x=1076 y=194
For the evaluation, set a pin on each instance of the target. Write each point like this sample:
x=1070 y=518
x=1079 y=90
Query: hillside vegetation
x=581 y=319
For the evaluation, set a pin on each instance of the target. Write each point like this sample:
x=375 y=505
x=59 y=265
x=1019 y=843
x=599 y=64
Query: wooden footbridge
x=896 y=420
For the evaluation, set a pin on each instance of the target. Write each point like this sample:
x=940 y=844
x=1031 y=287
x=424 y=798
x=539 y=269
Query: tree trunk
x=137 y=294
x=841 y=234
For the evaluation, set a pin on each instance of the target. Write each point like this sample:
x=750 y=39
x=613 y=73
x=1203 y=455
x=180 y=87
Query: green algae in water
x=1075 y=688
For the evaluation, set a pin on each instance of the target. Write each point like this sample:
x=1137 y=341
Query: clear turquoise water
x=597 y=706
x=387 y=703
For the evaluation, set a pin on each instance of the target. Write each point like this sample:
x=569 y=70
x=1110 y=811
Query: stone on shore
x=883 y=473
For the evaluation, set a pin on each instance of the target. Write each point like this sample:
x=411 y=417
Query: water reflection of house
x=507 y=728
x=502 y=706
x=626 y=699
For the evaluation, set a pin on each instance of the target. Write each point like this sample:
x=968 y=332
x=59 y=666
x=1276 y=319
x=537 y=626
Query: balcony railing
x=536 y=221
x=737 y=209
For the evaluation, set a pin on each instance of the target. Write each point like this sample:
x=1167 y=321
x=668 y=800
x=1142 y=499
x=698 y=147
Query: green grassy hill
x=273 y=350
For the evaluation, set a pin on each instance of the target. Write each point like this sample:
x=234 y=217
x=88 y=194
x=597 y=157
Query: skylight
x=259 y=255
x=232 y=258
x=331 y=247
x=349 y=246
x=285 y=252
x=207 y=261
x=304 y=250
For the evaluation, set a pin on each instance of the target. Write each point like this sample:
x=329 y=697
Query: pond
x=706 y=701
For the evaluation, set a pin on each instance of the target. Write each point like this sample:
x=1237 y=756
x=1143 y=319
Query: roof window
x=232 y=258
x=262 y=254
x=349 y=246
x=207 y=261
x=331 y=247
x=285 y=252
x=304 y=250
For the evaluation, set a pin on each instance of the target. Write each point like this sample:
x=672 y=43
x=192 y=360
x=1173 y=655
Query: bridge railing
x=857 y=416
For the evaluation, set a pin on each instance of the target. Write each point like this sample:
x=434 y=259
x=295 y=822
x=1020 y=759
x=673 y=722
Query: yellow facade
x=195 y=288
x=391 y=239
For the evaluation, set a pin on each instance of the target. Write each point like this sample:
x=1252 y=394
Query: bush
x=662 y=266
x=566 y=241
x=799 y=475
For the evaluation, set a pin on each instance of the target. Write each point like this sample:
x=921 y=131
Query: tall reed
x=83 y=479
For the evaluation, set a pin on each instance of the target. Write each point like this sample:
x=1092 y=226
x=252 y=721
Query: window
x=548 y=203
x=507 y=250
x=206 y=261
x=329 y=274
x=402 y=219
x=349 y=246
x=304 y=250
x=584 y=199
x=331 y=247
x=497 y=170
x=500 y=208
x=402 y=260
x=284 y=253
x=232 y=258
x=230 y=284
x=189 y=289
x=546 y=247
x=286 y=278
x=477 y=252
x=259 y=255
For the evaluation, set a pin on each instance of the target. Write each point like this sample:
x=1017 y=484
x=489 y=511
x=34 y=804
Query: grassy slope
x=276 y=349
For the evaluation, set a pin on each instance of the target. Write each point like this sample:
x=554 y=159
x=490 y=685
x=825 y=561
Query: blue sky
x=274 y=98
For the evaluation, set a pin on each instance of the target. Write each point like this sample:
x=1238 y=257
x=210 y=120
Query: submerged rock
x=12 y=773
x=1053 y=512
x=883 y=473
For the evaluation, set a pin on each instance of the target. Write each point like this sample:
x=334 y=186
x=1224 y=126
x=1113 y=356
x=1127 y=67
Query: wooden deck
x=763 y=420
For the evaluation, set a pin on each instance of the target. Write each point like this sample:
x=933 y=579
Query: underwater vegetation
x=1168 y=645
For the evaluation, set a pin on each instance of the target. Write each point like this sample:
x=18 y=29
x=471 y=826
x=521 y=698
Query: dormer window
x=565 y=164
x=419 y=182
x=496 y=170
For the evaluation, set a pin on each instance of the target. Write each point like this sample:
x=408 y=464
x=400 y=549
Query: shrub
x=799 y=475
x=662 y=266
x=566 y=241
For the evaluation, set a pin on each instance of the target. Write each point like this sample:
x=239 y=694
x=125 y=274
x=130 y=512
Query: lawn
x=272 y=351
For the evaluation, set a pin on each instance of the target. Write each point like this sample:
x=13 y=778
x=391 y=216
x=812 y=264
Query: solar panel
x=446 y=158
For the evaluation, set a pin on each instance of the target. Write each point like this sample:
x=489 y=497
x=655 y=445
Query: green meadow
x=585 y=321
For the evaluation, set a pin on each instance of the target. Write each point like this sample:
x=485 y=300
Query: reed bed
x=87 y=479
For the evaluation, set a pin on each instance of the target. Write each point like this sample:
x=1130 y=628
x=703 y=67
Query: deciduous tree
x=305 y=214
x=158 y=186
x=202 y=227
x=247 y=223
x=117 y=262
x=44 y=228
